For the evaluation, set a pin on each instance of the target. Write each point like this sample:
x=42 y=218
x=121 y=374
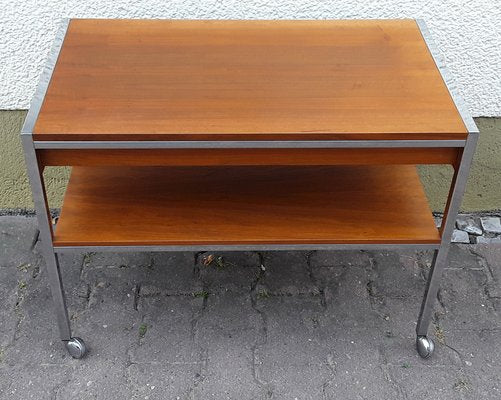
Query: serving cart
x=238 y=135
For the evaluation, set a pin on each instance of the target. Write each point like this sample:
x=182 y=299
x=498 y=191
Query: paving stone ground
x=248 y=325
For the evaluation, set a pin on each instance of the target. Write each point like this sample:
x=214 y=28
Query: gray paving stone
x=463 y=296
x=481 y=365
x=487 y=240
x=111 y=284
x=32 y=380
x=229 y=318
x=16 y=238
x=102 y=261
x=491 y=224
x=492 y=256
x=460 y=257
x=109 y=329
x=340 y=258
x=76 y=289
x=397 y=275
x=397 y=317
x=419 y=382
x=346 y=295
x=18 y=265
x=287 y=273
x=153 y=273
x=357 y=369
x=228 y=271
x=400 y=351
x=459 y=236
x=229 y=374
x=228 y=330
x=171 y=273
x=160 y=381
x=397 y=335
x=167 y=333
x=468 y=224
x=294 y=360
x=10 y=279
x=115 y=275
x=92 y=379
x=36 y=337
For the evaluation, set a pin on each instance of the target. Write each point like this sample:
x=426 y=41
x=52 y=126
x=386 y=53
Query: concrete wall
x=467 y=32
x=483 y=191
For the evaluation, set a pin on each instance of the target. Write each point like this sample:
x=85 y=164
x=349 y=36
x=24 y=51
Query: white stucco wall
x=468 y=32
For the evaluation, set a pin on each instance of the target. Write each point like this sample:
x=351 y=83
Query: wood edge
x=64 y=137
x=63 y=243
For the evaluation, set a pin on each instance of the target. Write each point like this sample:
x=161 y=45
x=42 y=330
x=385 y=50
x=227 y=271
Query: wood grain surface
x=244 y=205
x=246 y=80
x=214 y=157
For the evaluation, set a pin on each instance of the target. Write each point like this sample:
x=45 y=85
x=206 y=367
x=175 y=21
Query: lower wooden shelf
x=140 y=206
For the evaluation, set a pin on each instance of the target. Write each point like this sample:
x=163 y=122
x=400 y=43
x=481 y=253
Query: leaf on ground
x=143 y=328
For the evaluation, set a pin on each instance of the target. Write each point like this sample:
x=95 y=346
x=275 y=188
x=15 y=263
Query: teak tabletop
x=246 y=80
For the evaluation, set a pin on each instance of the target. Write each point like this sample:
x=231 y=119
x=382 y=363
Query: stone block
x=165 y=333
x=293 y=362
x=469 y=225
x=491 y=224
x=465 y=302
x=165 y=380
x=487 y=240
x=340 y=258
x=460 y=236
x=397 y=275
x=228 y=271
x=419 y=382
x=481 y=364
x=287 y=273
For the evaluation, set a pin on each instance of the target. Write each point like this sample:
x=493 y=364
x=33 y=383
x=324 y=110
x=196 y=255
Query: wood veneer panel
x=244 y=205
x=214 y=157
x=246 y=80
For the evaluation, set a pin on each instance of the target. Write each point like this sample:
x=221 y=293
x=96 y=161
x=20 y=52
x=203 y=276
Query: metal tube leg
x=430 y=294
x=59 y=299
x=45 y=227
x=74 y=345
x=425 y=345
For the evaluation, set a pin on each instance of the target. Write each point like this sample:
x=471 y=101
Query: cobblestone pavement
x=475 y=228
x=279 y=325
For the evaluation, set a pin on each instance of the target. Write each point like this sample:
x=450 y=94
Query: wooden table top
x=246 y=80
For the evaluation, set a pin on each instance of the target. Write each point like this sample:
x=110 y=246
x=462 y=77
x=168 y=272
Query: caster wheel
x=425 y=346
x=76 y=347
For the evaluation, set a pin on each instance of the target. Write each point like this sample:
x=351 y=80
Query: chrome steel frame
x=35 y=176
x=46 y=230
x=240 y=247
x=451 y=211
x=456 y=192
